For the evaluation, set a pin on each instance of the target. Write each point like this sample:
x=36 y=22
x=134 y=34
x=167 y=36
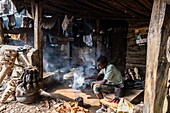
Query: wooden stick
x=3 y=73
x=1 y=32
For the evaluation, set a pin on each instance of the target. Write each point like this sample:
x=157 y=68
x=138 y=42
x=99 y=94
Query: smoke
x=87 y=56
x=79 y=74
x=55 y=63
x=78 y=78
x=53 y=60
x=58 y=64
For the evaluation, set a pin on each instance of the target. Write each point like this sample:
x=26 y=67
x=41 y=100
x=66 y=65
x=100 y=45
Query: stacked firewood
x=7 y=62
x=9 y=91
x=69 y=107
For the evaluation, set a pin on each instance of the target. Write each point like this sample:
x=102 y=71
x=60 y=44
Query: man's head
x=102 y=62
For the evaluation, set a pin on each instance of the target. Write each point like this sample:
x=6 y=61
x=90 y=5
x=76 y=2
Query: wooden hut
x=126 y=19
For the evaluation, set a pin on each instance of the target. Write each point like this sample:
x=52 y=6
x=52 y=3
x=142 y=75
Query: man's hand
x=91 y=77
x=94 y=82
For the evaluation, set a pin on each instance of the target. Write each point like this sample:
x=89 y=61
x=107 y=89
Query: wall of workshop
x=137 y=49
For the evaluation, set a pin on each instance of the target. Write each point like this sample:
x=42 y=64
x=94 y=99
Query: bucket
x=80 y=101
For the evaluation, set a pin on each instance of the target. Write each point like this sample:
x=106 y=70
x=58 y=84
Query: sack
x=125 y=106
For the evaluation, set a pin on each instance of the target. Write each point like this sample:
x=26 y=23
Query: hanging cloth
x=87 y=39
x=7 y=8
x=65 y=23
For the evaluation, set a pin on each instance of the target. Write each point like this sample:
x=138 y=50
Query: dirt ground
x=46 y=104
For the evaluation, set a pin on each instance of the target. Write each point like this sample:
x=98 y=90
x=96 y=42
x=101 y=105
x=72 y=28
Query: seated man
x=112 y=78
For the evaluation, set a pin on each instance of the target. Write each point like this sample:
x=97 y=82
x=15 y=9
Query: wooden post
x=68 y=49
x=32 y=9
x=36 y=26
x=97 y=26
x=97 y=36
x=38 y=41
x=1 y=32
x=157 y=65
x=59 y=26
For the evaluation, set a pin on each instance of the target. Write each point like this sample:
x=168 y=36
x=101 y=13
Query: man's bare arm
x=94 y=76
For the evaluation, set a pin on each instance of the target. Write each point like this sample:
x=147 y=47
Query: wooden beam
x=18 y=30
x=38 y=40
x=36 y=26
x=32 y=8
x=157 y=65
x=1 y=32
x=140 y=53
x=136 y=65
x=98 y=26
x=136 y=60
x=64 y=39
x=166 y=1
x=59 y=26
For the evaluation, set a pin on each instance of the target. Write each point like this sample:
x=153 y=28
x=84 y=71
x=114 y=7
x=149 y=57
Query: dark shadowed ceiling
x=115 y=9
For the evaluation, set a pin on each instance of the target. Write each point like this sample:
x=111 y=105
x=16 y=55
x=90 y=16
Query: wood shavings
x=70 y=107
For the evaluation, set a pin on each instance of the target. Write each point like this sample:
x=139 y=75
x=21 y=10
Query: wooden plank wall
x=135 y=54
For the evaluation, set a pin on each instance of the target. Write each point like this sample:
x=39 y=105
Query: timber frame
x=38 y=41
x=157 y=58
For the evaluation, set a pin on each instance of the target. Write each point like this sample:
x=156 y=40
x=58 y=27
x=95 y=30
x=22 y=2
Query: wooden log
x=25 y=59
x=3 y=73
x=32 y=8
x=136 y=60
x=166 y=1
x=40 y=41
x=140 y=68
x=10 y=90
x=140 y=53
x=1 y=32
x=131 y=43
x=3 y=107
x=98 y=26
x=7 y=63
x=18 y=31
x=63 y=39
x=36 y=26
x=157 y=65
x=59 y=27
x=136 y=65
x=142 y=57
x=38 y=36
